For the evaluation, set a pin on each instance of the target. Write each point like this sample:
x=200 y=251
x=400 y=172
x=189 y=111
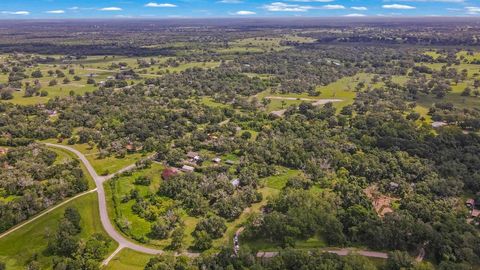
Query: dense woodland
x=378 y=142
x=32 y=181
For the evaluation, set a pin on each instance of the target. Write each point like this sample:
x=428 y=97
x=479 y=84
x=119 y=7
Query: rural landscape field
x=240 y=144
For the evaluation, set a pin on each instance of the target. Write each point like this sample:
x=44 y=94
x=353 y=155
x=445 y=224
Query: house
x=438 y=124
x=51 y=113
x=393 y=185
x=3 y=151
x=217 y=160
x=187 y=168
x=169 y=172
x=193 y=156
x=133 y=148
x=470 y=203
x=230 y=162
x=235 y=182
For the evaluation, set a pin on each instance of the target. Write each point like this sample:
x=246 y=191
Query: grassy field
x=128 y=259
x=455 y=97
x=343 y=89
x=434 y=54
x=110 y=164
x=280 y=180
x=184 y=66
x=208 y=101
x=468 y=57
x=17 y=248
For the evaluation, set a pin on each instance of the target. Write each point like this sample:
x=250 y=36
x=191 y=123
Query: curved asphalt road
x=102 y=203
x=125 y=243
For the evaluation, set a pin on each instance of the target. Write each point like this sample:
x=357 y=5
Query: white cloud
x=58 y=11
x=359 y=8
x=355 y=15
x=231 y=1
x=398 y=6
x=282 y=7
x=16 y=12
x=473 y=10
x=74 y=8
x=161 y=5
x=111 y=9
x=333 y=7
x=245 y=12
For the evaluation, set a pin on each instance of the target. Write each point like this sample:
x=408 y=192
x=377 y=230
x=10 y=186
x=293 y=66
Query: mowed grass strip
x=128 y=259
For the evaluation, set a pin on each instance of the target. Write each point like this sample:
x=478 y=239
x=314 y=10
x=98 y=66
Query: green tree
x=202 y=240
x=177 y=238
x=399 y=260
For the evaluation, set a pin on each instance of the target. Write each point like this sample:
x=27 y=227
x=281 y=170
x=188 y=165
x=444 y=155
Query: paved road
x=102 y=203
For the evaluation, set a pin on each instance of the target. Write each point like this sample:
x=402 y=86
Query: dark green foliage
x=213 y=225
x=36 y=182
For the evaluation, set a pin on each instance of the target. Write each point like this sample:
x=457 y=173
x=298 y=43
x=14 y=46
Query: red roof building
x=168 y=173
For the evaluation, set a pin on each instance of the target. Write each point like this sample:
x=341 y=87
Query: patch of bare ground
x=381 y=202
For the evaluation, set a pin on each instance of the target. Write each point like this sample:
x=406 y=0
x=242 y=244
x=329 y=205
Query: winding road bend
x=102 y=203
x=125 y=243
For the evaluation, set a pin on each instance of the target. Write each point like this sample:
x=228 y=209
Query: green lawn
x=343 y=89
x=112 y=164
x=279 y=181
x=183 y=67
x=128 y=259
x=109 y=164
x=468 y=57
x=208 y=101
x=433 y=54
x=18 y=247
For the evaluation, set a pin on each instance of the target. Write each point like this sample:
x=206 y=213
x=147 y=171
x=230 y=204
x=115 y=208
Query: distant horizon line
x=126 y=18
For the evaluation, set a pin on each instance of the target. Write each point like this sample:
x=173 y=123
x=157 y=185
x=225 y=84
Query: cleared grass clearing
x=343 y=89
x=280 y=180
x=262 y=44
x=455 y=98
x=433 y=54
x=210 y=102
x=128 y=259
x=468 y=57
x=271 y=42
x=17 y=248
x=106 y=165
x=181 y=67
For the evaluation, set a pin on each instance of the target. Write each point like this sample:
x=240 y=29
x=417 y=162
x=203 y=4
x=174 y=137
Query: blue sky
x=61 y=9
